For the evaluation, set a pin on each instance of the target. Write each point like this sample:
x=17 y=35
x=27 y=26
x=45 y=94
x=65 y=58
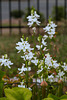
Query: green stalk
x=26 y=75
x=60 y=89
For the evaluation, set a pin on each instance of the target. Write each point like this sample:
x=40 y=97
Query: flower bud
x=29 y=63
x=5 y=56
x=44 y=83
x=60 y=81
x=26 y=38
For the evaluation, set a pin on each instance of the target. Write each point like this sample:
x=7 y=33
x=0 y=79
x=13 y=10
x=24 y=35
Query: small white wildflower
x=5 y=62
x=45 y=37
x=35 y=61
x=51 y=78
x=22 y=69
x=61 y=74
x=28 y=56
x=44 y=43
x=64 y=67
x=55 y=64
x=34 y=29
x=39 y=47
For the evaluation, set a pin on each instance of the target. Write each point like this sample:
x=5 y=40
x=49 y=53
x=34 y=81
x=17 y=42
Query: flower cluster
x=5 y=62
x=50 y=29
x=28 y=55
x=23 y=46
x=53 y=70
x=33 y=18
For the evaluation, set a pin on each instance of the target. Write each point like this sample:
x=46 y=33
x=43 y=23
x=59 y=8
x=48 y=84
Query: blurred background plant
x=17 y=13
x=60 y=13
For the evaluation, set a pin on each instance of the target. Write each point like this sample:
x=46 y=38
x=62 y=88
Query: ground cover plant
x=41 y=73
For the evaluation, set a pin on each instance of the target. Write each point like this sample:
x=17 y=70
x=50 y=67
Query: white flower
x=51 y=78
x=45 y=37
x=48 y=60
x=50 y=29
x=36 y=15
x=40 y=70
x=38 y=80
x=65 y=67
x=55 y=64
x=44 y=43
x=33 y=18
x=48 y=68
x=35 y=61
x=39 y=47
x=23 y=46
x=34 y=29
x=5 y=62
x=29 y=69
x=30 y=89
x=24 y=58
x=22 y=69
x=61 y=73
x=23 y=86
x=28 y=56
x=47 y=28
x=50 y=36
x=53 y=24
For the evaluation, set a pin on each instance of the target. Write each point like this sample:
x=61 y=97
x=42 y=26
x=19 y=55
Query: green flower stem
x=43 y=92
x=26 y=76
x=60 y=89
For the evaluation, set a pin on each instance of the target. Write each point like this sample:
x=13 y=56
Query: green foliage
x=48 y=99
x=64 y=97
x=42 y=19
x=60 y=13
x=17 y=94
x=17 y=13
x=1 y=83
x=1 y=75
x=3 y=98
x=1 y=88
x=53 y=97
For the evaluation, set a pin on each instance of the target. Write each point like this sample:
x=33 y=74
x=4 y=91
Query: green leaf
x=17 y=94
x=1 y=88
x=1 y=83
x=48 y=99
x=63 y=97
x=1 y=75
x=3 y=98
x=53 y=97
